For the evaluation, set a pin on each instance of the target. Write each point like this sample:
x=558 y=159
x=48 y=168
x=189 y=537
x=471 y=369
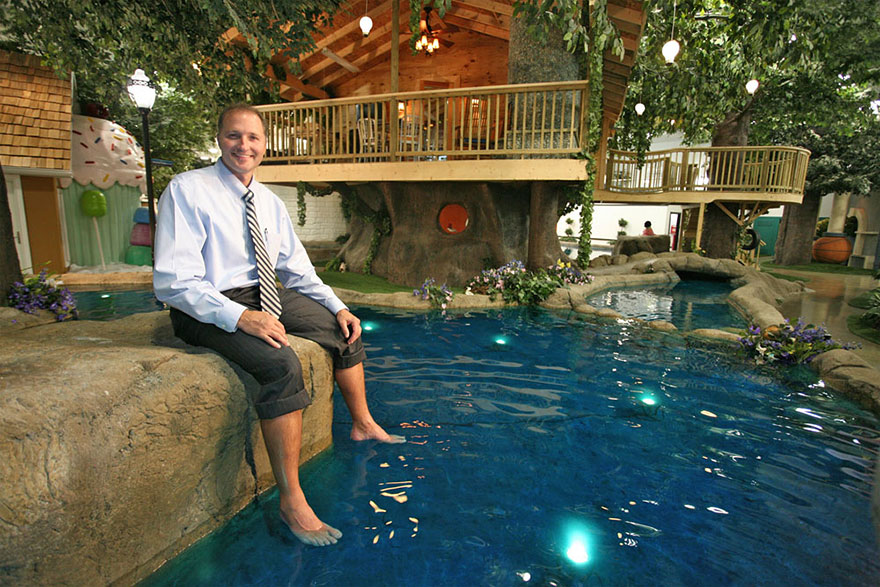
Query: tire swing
x=753 y=239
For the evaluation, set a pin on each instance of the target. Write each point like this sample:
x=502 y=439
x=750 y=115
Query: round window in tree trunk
x=453 y=219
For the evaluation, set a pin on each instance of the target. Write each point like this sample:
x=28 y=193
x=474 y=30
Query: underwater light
x=105 y=296
x=370 y=326
x=500 y=340
x=648 y=400
x=577 y=551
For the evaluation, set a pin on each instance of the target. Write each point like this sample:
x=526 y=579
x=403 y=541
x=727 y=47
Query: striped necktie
x=269 y=300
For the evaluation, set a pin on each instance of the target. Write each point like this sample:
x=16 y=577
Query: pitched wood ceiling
x=341 y=51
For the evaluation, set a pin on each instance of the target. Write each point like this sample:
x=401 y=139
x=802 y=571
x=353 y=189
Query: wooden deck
x=512 y=133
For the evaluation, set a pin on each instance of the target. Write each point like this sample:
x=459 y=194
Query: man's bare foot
x=306 y=526
x=372 y=431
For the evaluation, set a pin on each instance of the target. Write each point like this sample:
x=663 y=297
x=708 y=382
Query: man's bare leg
x=283 y=436
x=354 y=392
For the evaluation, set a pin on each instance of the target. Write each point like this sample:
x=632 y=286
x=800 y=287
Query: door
x=19 y=224
x=40 y=196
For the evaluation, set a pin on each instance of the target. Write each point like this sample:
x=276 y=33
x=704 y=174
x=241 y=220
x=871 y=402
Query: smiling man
x=221 y=240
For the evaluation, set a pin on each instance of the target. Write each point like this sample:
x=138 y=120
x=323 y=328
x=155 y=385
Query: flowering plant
x=566 y=274
x=438 y=295
x=517 y=285
x=41 y=292
x=787 y=344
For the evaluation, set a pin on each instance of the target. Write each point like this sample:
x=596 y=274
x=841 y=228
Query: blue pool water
x=114 y=304
x=537 y=440
x=689 y=304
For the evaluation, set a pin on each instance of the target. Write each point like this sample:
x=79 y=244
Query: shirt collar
x=232 y=182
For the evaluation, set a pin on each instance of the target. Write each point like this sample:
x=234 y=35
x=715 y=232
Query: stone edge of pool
x=88 y=503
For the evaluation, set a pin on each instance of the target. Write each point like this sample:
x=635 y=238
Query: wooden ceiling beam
x=364 y=61
x=478 y=27
x=340 y=60
x=291 y=81
x=325 y=41
x=489 y=6
x=379 y=35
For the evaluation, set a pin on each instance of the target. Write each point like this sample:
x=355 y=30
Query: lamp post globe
x=640 y=108
x=143 y=93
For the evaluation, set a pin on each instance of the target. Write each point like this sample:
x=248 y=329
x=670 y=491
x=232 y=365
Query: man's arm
x=179 y=268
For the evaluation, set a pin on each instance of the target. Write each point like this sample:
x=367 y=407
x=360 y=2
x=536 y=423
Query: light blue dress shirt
x=203 y=246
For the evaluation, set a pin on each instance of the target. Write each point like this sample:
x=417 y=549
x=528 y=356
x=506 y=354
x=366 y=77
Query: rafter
x=478 y=26
x=340 y=60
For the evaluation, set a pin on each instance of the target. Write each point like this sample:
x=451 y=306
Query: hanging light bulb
x=671 y=48
x=640 y=108
x=366 y=23
x=670 y=51
x=436 y=43
x=752 y=86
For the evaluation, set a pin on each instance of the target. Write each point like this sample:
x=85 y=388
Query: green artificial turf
x=785 y=276
x=819 y=268
x=360 y=282
x=857 y=327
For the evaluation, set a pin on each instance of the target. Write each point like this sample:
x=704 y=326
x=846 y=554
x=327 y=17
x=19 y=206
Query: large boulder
x=630 y=245
x=121 y=445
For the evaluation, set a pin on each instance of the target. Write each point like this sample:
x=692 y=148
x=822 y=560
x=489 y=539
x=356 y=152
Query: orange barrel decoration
x=832 y=248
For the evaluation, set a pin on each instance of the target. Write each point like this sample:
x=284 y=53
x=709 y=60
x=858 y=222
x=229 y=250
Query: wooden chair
x=368 y=136
x=411 y=133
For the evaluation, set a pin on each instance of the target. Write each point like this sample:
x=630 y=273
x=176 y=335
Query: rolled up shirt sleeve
x=179 y=273
x=296 y=272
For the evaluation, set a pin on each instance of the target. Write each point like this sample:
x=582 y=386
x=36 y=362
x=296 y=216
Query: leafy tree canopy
x=810 y=56
x=178 y=43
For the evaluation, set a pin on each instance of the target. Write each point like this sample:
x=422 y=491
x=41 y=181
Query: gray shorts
x=278 y=371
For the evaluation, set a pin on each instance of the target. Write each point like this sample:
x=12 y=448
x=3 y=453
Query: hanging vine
x=301 y=190
x=352 y=206
x=602 y=33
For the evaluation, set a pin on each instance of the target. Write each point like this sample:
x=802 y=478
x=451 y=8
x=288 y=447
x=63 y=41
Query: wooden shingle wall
x=35 y=111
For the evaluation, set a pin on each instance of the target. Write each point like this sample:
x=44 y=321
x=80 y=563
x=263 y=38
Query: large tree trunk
x=794 y=244
x=10 y=270
x=497 y=230
x=719 y=230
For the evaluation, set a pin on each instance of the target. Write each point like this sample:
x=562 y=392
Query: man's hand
x=350 y=325
x=265 y=326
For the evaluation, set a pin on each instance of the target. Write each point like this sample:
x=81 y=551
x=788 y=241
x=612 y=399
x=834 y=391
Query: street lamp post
x=143 y=93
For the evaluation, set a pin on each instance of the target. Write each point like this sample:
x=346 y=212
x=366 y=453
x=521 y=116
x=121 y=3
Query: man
x=218 y=229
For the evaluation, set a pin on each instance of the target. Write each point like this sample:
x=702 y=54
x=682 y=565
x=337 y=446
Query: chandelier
x=428 y=41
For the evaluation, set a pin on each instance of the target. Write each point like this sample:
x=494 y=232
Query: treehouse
x=460 y=153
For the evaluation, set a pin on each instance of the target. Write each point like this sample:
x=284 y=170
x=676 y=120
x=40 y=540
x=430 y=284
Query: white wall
x=324 y=220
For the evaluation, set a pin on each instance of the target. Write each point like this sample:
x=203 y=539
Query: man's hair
x=647 y=223
x=240 y=107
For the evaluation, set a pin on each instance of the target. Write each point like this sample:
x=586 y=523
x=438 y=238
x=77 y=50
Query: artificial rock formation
x=121 y=445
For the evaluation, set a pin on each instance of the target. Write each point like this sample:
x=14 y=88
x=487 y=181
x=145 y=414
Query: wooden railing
x=513 y=121
x=737 y=169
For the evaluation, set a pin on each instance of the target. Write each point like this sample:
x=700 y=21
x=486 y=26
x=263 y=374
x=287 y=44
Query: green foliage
x=179 y=43
x=301 y=203
x=180 y=131
x=872 y=316
x=333 y=264
x=810 y=57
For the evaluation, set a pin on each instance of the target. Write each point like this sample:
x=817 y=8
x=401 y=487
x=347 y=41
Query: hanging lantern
x=752 y=86
x=640 y=108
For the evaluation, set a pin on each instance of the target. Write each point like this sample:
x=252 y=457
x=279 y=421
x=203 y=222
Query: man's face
x=242 y=143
